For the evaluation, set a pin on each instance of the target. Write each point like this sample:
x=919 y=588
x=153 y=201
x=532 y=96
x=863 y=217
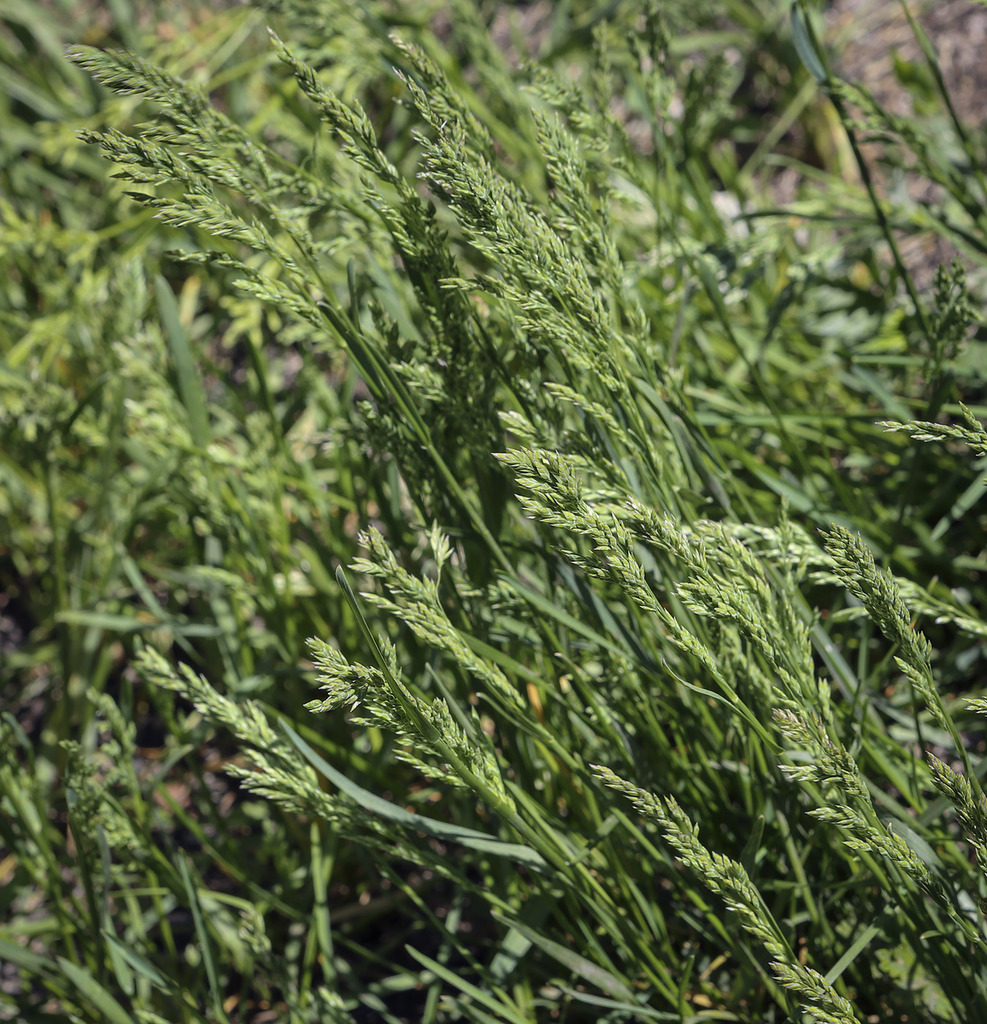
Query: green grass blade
x=441 y=830
x=109 y=1009
x=190 y=389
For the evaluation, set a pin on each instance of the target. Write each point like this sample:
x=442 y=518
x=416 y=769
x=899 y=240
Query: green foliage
x=609 y=732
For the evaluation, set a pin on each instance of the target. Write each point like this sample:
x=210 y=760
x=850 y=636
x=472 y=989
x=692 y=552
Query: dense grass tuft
x=469 y=552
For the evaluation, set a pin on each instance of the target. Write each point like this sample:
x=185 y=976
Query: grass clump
x=641 y=645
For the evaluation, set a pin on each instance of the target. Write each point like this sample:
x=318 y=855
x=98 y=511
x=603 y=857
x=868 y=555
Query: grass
x=464 y=572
